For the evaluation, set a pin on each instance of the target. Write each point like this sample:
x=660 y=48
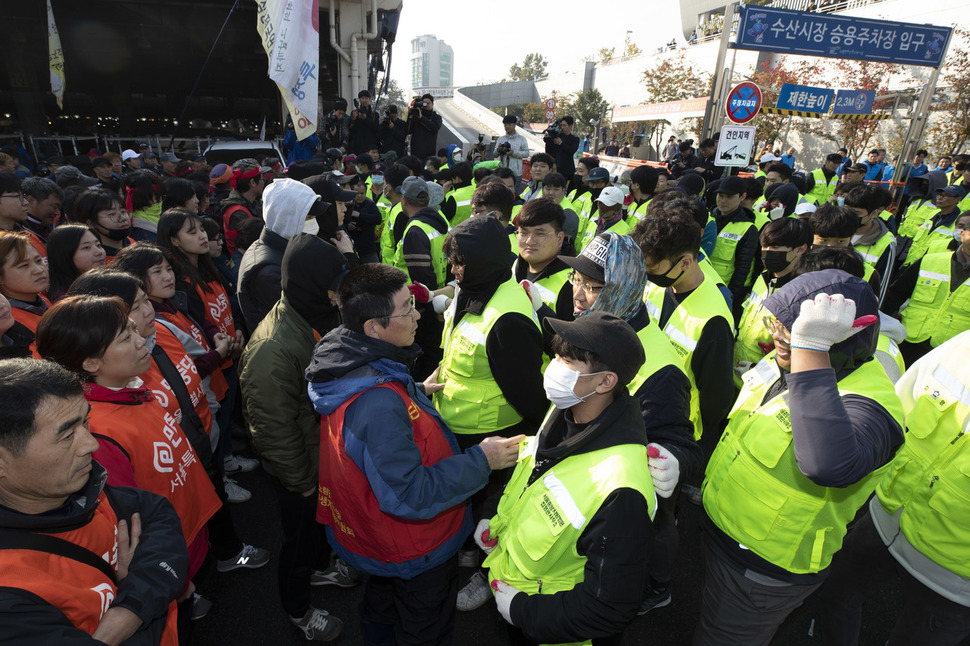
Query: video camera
x=552 y=131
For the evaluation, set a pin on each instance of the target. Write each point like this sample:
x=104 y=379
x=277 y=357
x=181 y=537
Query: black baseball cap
x=592 y=261
x=732 y=185
x=608 y=336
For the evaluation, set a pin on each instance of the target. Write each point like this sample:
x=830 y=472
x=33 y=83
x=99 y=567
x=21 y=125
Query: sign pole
x=916 y=126
x=718 y=90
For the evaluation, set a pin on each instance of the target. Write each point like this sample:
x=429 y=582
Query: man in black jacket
x=563 y=147
x=393 y=132
x=423 y=126
x=118 y=553
x=363 y=125
x=569 y=544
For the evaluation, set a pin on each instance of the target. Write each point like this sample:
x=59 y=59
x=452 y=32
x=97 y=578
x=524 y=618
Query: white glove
x=504 y=593
x=533 y=294
x=664 y=469
x=826 y=321
x=483 y=537
x=440 y=303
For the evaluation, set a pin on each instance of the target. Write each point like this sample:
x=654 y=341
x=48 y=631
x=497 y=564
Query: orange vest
x=217 y=381
x=190 y=375
x=161 y=457
x=218 y=312
x=347 y=504
x=79 y=590
x=28 y=319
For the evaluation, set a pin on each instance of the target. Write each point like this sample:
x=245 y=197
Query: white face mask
x=559 y=382
x=776 y=212
x=958 y=236
x=457 y=156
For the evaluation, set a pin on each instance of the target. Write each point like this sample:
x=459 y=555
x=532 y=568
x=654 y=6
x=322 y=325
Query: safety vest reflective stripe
x=823 y=188
x=934 y=311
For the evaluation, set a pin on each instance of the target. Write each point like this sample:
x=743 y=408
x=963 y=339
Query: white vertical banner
x=55 y=57
x=290 y=32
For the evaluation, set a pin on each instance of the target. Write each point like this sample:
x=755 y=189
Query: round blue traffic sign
x=743 y=102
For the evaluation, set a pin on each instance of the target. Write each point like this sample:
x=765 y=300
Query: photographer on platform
x=393 y=132
x=562 y=144
x=423 y=126
x=512 y=147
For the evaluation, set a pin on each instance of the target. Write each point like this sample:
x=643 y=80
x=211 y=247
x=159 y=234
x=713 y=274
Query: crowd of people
x=445 y=365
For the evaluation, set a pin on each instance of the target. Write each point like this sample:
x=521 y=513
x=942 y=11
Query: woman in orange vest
x=141 y=444
x=23 y=278
x=182 y=234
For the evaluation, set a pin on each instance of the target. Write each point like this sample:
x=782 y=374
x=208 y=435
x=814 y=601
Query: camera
x=330 y=122
x=356 y=104
x=552 y=131
x=503 y=148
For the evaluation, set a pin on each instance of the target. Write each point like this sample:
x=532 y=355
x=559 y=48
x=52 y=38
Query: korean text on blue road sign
x=803 y=97
x=854 y=102
x=817 y=34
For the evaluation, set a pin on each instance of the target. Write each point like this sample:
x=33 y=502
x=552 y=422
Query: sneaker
x=234 y=492
x=237 y=464
x=467 y=558
x=200 y=606
x=340 y=574
x=249 y=557
x=658 y=598
x=319 y=625
x=475 y=593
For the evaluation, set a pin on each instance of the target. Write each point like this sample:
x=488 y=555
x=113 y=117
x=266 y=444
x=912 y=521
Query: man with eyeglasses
x=540 y=241
x=393 y=480
x=13 y=204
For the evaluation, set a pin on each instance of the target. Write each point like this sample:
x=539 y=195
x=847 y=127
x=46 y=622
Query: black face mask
x=115 y=234
x=664 y=280
x=775 y=261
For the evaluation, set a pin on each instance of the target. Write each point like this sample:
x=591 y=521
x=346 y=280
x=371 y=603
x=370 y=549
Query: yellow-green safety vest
x=438 y=260
x=726 y=249
x=388 y=246
x=659 y=354
x=933 y=311
x=463 y=204
x=873 y=252
x=926 y=241
x=756 y=494
x=751 y=329
x=929 y=479
x=471 y=401
x=586 y=236
x=887 y=346
x=916 y=215
x=684 y=330
x=637 y=214
x=823 y=188
x=538 y=525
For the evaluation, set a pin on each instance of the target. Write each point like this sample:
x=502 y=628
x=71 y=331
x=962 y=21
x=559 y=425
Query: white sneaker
x=318 y=625
x=238 y=464
x=475 y=594
x=234 y=492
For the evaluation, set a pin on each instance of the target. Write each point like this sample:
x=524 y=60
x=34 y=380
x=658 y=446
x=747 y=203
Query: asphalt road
x=247 y=611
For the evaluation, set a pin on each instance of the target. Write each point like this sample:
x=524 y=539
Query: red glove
x=420 y=293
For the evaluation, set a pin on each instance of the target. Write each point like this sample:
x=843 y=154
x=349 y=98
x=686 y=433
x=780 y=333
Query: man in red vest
x=393 y=482
x=78 y=559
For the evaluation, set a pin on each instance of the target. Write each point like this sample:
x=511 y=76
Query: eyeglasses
x=476 y=211
x=114 y=216
x=410 y=312
x=579 y=283
x=19 y=196
x=775 y=327
x=536 y=236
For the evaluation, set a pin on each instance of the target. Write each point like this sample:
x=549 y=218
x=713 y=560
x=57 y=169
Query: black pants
x=303 y=546
x=864 y=564
x=666 y=542
x=399 y=612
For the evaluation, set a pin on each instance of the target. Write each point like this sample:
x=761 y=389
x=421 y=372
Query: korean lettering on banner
x=798 y=97
x=289 y=31
x=814 y=34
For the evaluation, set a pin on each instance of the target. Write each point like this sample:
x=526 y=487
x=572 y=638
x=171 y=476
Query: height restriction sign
x=743 y=102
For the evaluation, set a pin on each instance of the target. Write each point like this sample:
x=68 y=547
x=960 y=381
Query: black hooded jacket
x=615 y=542
x=837 y=440
x=514 y=344
x=155 y=576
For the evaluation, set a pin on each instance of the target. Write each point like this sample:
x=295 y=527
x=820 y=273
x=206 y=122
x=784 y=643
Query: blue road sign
x=836 y=36
x=803 y=97
x=854 y=102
